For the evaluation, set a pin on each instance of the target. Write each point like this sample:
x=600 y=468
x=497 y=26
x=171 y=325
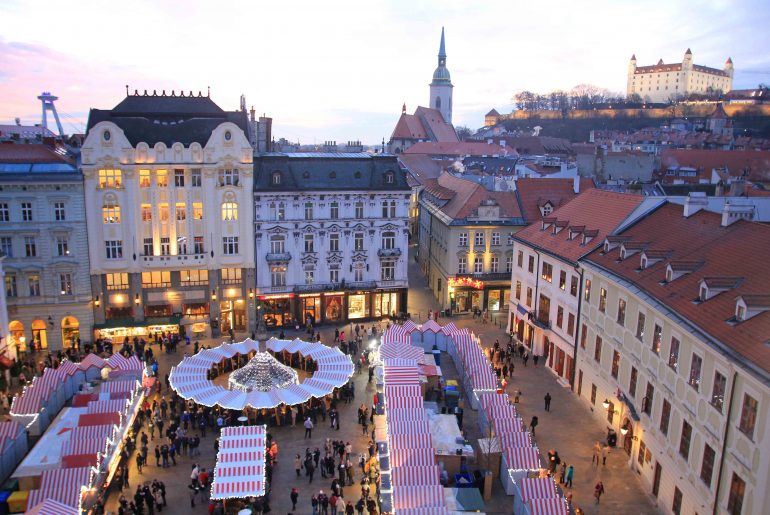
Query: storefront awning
x=172 y=320
x=116 y=323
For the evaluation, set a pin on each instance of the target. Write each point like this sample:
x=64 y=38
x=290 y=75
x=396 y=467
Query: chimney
x=738 y=187
x=694 y=203
x=576 y=184
x=253 y=114
x=731 y=213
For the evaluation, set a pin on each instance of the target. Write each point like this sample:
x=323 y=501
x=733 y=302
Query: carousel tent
x=264 y=382
x=240 y=468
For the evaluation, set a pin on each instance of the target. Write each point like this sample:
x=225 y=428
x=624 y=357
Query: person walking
x=568 y=476
x=525 y=358
x=308 y=428
x=562 y=472
x=605 y=451
x=294 y=496
x=297 y=465
x=598 y=491
x=597 y=451
x=533 y=424
x=548 y=401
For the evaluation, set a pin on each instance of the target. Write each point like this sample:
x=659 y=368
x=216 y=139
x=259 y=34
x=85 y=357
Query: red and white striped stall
x=240 y=468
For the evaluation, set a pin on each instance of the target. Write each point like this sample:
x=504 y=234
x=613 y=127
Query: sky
x=341 y=70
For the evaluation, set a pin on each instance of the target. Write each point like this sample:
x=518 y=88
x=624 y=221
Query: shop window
x=357 y=306
x=118 y=281
x=161 y=279
x=194 y=277
x=231 y=276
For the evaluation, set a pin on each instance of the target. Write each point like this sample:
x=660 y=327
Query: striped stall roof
x=79 y=446
x=406 y=497
x=51 y=507
x=62 y=485
x=107 y=406
x=101 y=432
x=537 y=488
x=415 y=475
x=548 y=506
x=430 y=325
x=92 y=360
x=119 y=386
x=419 y=457
x=522 y=458
x=239 y=471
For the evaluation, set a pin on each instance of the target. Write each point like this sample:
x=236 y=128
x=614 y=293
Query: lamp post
x=261 y=334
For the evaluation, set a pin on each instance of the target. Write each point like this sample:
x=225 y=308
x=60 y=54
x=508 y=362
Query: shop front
x=118 y=329
x=310 y=308
x=278 y=310
x=467 y=295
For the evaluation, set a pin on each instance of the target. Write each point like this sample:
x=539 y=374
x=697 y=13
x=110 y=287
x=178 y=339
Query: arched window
x=276 y=179
x=110 y=210
x=438 y=102
x=229 y=211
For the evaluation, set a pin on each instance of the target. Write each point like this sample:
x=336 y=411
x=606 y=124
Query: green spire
x=441 y=49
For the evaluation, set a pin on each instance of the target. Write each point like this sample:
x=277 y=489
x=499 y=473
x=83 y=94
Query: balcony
x=274 y=257
x=340 y=286
x=490 y=276
x=540 y=321
x=389 y=252
x=393 y=283
x=172 y=261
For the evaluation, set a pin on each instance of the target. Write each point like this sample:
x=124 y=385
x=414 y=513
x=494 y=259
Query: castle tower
x=630 y=77
x=47 y=99
x=729 y=68
x=441 y=86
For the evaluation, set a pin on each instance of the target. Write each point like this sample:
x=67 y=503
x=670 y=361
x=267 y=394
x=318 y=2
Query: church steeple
x=441 y=85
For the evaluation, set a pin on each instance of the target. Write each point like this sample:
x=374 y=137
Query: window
x=598 y=349
x=695 y=370
x=602 y=300
x=640 y=325
x=334 y=242
x=117 y=281
x=196 y=179
x=358 y=241
x=308 y=210
x=277 y=211
x=229 y=211
x=334 y=210
x=478 y=265
x=389 y=240
x=62 y=246
x=559 y=316
x=563 y=280
x=642 y=450
x=165 y=246
x=65 y=284
x=684 y=441
x=30 y=246
x=144 y=178
x=740 y=314
x=389 y=209
x=110 y=178
x=547 y=272
x=276 y=178
x=278 y=244
x=573 y=286
x=358 y=275
x=718 y=391
x=181 y=212
x=593 y=394
x=197 y=210
x=230 y=245
x=478 y=239
x=707 y=466
x=583 y=336
x=198 y=245
x=587 y=291
x=388 y=270
x=494 y=264
x=110 y=212
x=673 y=355
x=621 y=312
x=194 y=277
x=26 y=211
x=676 y=505
x=648 y=399
x=33 y=281
x=163 y=212
x=179 y=178
x=615 y=364
x=657 y=336
x=748 y=416
x=309 y=276
x=517 y=291
x=665 y=416
x=520 y=259
x=146 y=212
x=334 y=276
x=161 y=178
x=509 y=264
x=495 y=238
x=462 y=239
x=58 y=211
x=231 y=276
x=10 y=286
x=529 y=296
x=531 y=265
x=735 y=499
x=632 y=382
x=228 y=177
x=5 y=212
x=309 y=243
x=462 y=265
x=114 y=249
x=359 y=210
x=389 y=178
x=148 y=247
x=156 y=279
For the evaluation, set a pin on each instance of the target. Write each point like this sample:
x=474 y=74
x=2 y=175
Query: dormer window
x=547 y=209
x=332 y=175
x=622 y=253
x=704 y=293
x=669 y=275
x=389 y=178
x=276 y=178
x=606 y=247
x=644 y=262
x=740 y=313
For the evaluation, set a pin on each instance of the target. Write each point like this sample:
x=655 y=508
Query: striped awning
x=548 y=506
x=537 y=488
x=62 y=485
x=240 y=468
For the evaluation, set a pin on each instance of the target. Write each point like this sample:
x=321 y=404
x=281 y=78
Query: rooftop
x=464 y=198
x=534 y=193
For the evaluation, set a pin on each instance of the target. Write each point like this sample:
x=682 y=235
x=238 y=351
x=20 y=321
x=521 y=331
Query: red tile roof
x=409 y=127
x=435 y=124
x=467 y=196
x=422 y=166
x=597 y=210
x=459 y=149
x=534 y=193
x=740 y=249
x=28 y=153
x=756 y=163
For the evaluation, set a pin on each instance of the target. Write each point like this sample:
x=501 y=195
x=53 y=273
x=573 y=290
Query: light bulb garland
x=262 y=373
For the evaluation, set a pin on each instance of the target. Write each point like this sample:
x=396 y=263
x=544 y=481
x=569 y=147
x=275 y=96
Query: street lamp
x=606 y=404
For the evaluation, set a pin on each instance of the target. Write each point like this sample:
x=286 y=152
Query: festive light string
x=262 y=373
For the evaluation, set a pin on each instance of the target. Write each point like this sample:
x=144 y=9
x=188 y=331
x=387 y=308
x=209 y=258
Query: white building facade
x=168 y=183
x=331 y=237
x=44 y=240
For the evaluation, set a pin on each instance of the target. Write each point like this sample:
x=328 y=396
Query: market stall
x=240 y=467
x=519 y=463
x=13 y=447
